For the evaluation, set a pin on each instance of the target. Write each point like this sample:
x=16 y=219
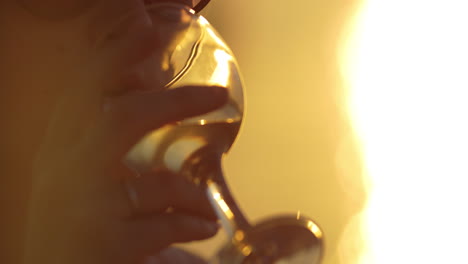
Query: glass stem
x=232 y=219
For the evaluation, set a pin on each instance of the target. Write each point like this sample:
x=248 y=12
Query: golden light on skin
x=406 y=65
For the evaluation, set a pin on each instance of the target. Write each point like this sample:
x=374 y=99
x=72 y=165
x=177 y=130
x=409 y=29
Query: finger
x=156 y=192
x=174 y=255
x=129 y=118
x=149 y=235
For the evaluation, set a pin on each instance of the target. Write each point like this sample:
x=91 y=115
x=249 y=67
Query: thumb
x=150 y=235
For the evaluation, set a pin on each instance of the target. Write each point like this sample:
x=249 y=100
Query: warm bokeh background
x=295 y=150
x=356 y=116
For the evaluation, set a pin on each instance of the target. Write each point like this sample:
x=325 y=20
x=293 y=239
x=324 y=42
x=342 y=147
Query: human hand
x=174 y=255
x=80 y=211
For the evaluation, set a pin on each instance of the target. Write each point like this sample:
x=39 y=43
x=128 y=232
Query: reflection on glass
x=194 y=147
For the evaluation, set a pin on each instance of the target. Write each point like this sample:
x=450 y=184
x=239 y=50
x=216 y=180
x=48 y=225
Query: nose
x=141 y=43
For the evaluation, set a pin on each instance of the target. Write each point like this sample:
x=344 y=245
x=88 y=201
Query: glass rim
x=195 y=9
x=199 y=7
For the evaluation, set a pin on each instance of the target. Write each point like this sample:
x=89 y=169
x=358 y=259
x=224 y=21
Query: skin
x=72 y=103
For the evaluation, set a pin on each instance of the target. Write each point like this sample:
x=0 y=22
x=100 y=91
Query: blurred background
x=356 y=117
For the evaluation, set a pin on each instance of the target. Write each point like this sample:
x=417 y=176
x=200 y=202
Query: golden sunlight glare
x=219 y=200
x=222 y=71
x=406 y=66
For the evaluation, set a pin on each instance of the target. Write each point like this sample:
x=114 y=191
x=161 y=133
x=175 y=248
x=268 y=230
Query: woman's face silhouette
x=46 y=48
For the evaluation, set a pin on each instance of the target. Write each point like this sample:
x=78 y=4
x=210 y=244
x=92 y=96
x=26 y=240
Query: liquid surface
x=169 y=146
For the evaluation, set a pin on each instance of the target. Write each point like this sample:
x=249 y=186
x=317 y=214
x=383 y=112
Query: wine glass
x=193 y=53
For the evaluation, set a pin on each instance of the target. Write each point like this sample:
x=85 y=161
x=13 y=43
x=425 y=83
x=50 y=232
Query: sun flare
x=406 y=65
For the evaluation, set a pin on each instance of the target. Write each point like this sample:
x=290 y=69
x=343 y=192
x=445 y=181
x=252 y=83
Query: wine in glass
x=193 y=53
